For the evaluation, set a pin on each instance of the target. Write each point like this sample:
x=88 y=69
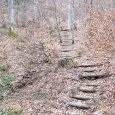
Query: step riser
x=87 y=94
x=86 y=66
x=81 y=98
x=79 y=106
x=87 y=89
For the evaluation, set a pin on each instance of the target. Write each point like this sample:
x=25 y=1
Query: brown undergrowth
x=101 y=32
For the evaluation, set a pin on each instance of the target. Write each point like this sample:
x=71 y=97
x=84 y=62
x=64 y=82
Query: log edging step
x=79 y=105
x=90 y=65
x=93 y=76
x=81 y=97
x=87 y=89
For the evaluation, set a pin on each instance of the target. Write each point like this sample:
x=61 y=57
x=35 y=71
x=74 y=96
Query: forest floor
x=49 y=95
x=47 y=90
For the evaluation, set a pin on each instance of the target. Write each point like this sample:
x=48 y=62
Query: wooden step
x=67 y=47
x=92 y=69
x=81 y=97
x=67 y=42
x=67 y=54
x=86 y=66
x=65 y=35
x=66 y=50
x=65 y=57
x=74 y=113
x=63 y=44
x=79 y=105
x=99 y=113
x=66 y=39
x=87 y=89
x=94 y=85
x=92 y=76
x=89 y=71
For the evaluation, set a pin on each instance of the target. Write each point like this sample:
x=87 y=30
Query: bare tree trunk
x=113 y=2
x=11 y=18
x=11 y=12
x=57 y=23
x=35 y=10
x=71 y=19
x=24 y=13
x=0 y=7
x=70 y=15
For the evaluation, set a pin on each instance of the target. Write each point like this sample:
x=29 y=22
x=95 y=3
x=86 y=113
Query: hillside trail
x=94 y=77
x=88 y=88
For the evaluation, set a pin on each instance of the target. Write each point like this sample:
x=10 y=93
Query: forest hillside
x=57 y=57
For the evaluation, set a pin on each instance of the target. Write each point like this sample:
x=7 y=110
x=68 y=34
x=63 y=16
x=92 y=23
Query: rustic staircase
x=86 y=94
x=66 y=45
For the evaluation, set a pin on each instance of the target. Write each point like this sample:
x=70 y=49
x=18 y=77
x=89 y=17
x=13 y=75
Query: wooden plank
x=79 y=105
x=81 y=97
x=68 y=42
x=74 y=113
x=93 y=76
x=67 y=54
x=89 y=71
x=67 y=50
x=87 y=89
x=67 y=47
x=86 y=66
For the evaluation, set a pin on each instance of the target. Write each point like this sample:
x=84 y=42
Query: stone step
x=79 y=105
x=92 y=76
x=87 y=89
x=81 y=97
